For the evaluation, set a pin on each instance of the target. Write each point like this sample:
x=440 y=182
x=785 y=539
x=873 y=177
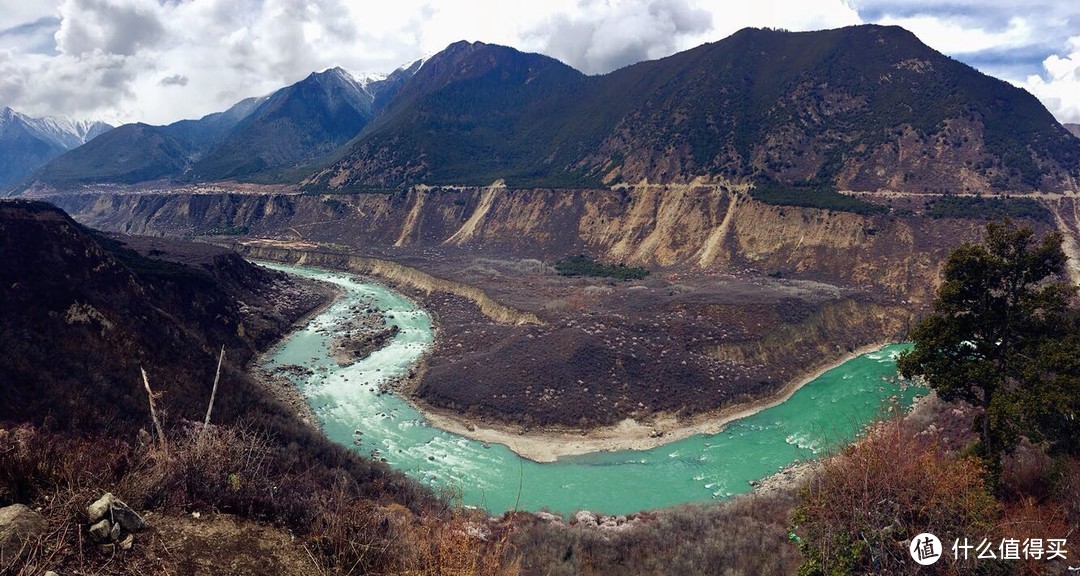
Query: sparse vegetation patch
x=824 y=197
x=583 y=265
x=982 y=208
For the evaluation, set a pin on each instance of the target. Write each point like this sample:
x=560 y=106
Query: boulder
x=549 y=517
x=478 y=532
x=127 y=518
x=18 y=523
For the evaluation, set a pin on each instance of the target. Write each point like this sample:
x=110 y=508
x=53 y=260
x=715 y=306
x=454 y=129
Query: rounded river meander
x=825 y=413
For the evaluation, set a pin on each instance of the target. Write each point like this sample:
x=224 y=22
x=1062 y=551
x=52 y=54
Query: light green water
x=823 y=414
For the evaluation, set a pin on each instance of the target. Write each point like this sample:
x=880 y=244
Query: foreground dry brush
x=229 y=470
x=863 y=507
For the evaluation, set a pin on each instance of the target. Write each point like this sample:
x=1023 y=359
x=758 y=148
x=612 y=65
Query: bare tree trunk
x=153 y=412
x=213 y=392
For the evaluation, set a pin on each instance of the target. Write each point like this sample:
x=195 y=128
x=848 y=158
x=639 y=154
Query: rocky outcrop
x=81 y=310
x=359 y=335
x=586 y=519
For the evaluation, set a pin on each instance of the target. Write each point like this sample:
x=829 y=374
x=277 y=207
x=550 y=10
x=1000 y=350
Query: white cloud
x=603 y=35
x=787 y=14
x=90 y=85
x=1059 y=87
x=598 y=36
x=110 y=26
x=16 y=13
x=953 y=37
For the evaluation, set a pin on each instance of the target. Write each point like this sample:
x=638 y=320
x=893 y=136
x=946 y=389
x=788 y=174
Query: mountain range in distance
x=861 y=108
x=28 y=143
x=257 y=139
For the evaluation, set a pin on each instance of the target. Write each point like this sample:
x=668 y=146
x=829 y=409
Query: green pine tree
x=1003 y=337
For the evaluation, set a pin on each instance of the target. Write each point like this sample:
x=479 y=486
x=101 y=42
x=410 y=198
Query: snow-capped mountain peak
x=27 y=143
x=365 y=78
x=64 y=132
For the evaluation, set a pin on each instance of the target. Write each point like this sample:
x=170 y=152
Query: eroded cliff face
x=700 y=228
x=836 y=327
x=744 y=297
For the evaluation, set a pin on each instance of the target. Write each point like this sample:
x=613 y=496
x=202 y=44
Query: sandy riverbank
x=547 y=445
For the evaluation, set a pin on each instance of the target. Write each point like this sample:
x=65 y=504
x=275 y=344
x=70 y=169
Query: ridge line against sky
x=158 y=61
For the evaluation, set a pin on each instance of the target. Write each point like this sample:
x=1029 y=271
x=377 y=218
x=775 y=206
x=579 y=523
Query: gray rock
x=101 y=531
x=127 y=542
x=99 y=508
x=549 y=517
x=51 y=573
x=128 y=518
x=111 y=507
x=114 y=534
x=18 y=524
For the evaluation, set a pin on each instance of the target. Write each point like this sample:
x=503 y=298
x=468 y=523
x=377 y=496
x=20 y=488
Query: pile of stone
x=113 y=524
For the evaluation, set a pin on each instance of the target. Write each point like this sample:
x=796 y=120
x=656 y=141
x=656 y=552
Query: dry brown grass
x=863 y=506
x=228 y=470
x=746 y=536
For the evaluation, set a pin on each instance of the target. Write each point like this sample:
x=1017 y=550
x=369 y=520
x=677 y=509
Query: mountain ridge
x=863 y=108
x=262 y=135
x=27 y=143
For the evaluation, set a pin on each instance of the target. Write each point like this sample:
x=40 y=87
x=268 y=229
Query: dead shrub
x=1024 y=473
x=354 y=536
x=863 y=507
x=225 y=469
x=461 y=544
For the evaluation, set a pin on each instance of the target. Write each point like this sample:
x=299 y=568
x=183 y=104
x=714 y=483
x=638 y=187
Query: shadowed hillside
x=863 y=108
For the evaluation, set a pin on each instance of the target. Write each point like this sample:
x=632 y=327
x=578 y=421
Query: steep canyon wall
x=706 y=229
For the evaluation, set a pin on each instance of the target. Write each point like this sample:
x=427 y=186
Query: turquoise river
x=822 y=414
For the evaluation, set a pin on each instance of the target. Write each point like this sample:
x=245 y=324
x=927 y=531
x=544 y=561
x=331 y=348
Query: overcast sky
x=158 y=61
